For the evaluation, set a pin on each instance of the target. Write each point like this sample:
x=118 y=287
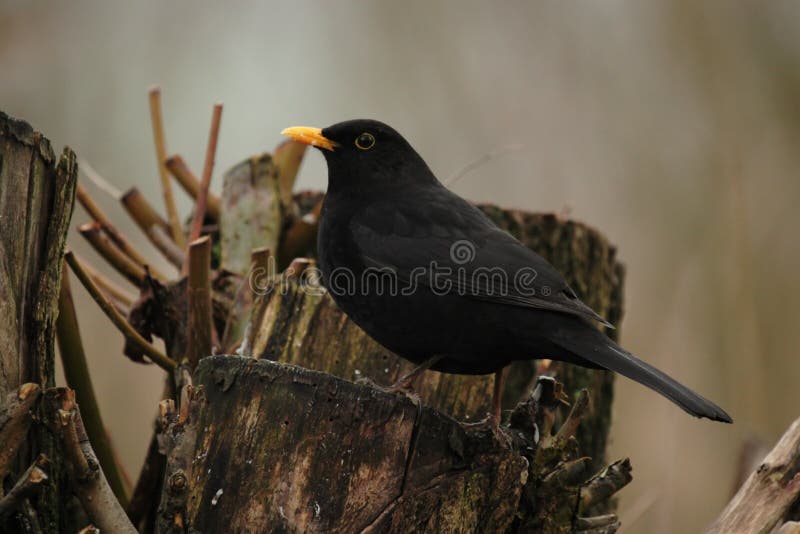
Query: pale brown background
x=671 y=126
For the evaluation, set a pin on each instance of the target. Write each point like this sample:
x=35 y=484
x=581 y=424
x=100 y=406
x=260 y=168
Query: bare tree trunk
x=36 y=197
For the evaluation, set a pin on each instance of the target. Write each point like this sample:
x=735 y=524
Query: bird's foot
x=400 y=386
x=491 y=423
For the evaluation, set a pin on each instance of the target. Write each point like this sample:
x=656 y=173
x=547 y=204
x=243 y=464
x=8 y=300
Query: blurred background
x=673 y=127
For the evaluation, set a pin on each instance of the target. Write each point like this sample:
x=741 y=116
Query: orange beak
x=309 y=136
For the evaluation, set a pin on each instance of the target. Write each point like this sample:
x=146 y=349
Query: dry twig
x=76 y=371
x=158 y=357
x=208 y=168
x=89 y=482
x=121 y=299
x=164 y=243
x=125 y=266
x=140 y=210
x=108 y=227
x=191 y=184
x=161 y=155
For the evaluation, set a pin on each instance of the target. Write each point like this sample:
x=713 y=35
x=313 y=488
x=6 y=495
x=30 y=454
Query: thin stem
x=108 y=227
x=158 y=357
x=161 y=155
x=153 y=226
x=164 y=243
x=191 y=184
x=100 y=241
x=208 y=168
x=100 y=182
x=76 y=371
x=143 y=214
x=112 y=290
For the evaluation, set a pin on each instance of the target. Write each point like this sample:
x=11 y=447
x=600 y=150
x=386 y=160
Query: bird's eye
x=365 y=141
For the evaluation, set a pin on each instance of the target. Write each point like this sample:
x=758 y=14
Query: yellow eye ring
x=365 y=141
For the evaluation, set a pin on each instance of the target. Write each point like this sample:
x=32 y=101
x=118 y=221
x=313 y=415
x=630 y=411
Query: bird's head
x=364 y=153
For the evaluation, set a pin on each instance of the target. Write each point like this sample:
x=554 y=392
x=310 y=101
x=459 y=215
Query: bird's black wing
x=435 y=238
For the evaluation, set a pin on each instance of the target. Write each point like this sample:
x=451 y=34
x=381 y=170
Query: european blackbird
x=431 y=278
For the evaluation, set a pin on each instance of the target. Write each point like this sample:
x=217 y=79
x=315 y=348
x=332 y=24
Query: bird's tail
x=592 y=345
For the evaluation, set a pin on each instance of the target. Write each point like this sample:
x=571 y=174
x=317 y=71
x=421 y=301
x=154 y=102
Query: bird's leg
x=493 y=418
x=405 y=382
x=497 y=397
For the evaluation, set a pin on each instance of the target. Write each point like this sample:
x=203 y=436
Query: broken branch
x=89 y=482
x=119 y=321
x=141 y=211
x=108 y=227
x=133 y=272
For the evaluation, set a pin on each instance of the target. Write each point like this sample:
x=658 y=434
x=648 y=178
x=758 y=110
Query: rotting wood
x=310 y=452
x=37 y=193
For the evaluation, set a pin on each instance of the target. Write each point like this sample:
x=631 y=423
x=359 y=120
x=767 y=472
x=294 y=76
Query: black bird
x=431 y=278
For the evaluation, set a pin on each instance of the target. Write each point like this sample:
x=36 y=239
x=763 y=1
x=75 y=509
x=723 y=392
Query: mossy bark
x=269 y=447
x=37 y=192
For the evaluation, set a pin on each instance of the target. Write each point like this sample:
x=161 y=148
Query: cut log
x=270 y=447
x=37 y=192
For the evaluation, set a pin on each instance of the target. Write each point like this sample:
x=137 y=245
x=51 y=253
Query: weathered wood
x=309 y=452
x=766 y=497
x=251 y=211
x=37 y=192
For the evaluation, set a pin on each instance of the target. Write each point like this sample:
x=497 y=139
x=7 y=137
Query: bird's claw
x=489 y=423
x=399 y=387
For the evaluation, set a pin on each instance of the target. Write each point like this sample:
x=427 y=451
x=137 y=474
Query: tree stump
x=37 y=192
x=262 y=446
